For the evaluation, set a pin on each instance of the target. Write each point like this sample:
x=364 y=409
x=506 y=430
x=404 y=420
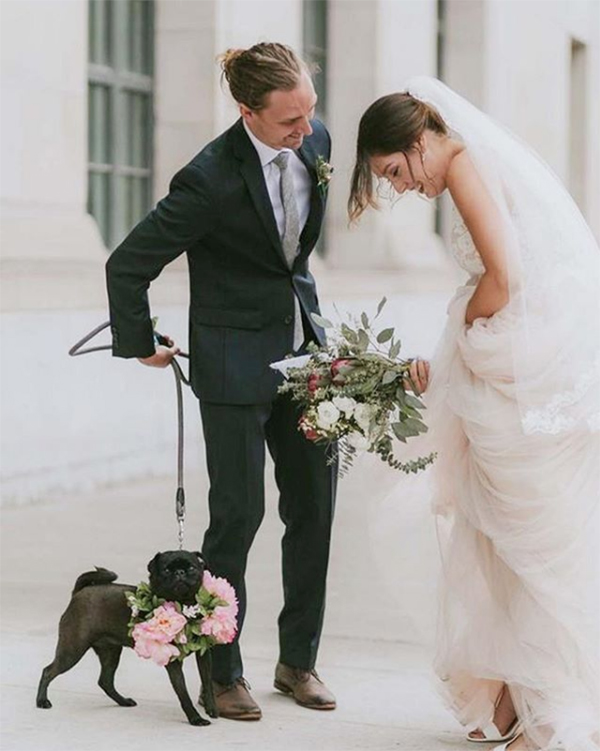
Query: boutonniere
x=324 y=173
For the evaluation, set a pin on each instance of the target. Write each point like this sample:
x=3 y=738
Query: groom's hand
x=418 y=376
x=162 y=356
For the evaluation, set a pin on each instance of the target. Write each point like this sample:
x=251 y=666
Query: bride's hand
x=418 y=376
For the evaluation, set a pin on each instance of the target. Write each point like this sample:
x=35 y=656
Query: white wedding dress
x=520 y=548
x=513 y=408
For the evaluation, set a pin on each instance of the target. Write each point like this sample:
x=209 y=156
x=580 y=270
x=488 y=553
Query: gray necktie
x=291 y=233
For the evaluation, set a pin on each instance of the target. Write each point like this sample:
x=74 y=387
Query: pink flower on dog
x=167 y=622
x=152 y=638
x=222 y=624
x=220 y=587
x=151 y=649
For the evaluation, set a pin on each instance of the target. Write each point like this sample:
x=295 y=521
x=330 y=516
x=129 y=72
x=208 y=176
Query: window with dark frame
x=314 y=34
x=314 y=44
x=120 y=114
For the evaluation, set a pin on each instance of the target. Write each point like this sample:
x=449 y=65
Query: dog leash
x=78 y=349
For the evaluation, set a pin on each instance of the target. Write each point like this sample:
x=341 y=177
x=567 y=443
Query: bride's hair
x=391 y=124
x=253 y=73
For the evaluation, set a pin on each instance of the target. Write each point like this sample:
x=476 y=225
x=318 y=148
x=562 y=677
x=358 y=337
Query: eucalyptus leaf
x=395 y=350
x=414 y=424
x=363 y=339
x=404 y=430
x=349 y=334
x=411 y=412
x=388 y=377
x=364 y=320
x=399 y=431
x=412 y=401
x=324 y=323
x=385 y=335
x=380 y=306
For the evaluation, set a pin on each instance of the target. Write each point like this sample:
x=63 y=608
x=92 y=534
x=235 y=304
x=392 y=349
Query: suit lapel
x=315 y=216
x=252 y=172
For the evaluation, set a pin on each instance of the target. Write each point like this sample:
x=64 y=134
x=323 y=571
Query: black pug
x=97 y=617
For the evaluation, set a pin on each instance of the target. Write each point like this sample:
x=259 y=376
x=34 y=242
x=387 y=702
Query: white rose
x=345 y=404
x=357 y=440
x=362 y=415
x=327 y=415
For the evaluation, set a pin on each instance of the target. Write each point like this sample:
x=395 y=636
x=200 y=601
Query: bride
x=514 y=414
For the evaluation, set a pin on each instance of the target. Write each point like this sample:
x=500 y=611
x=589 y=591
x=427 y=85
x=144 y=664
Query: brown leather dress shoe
x=235 y=702
x=305 y=686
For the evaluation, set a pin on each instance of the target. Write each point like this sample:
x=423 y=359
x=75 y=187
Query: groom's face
x=285 y=119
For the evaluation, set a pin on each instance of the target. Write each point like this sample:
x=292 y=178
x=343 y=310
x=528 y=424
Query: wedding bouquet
x=353 y=393
x=164 y=631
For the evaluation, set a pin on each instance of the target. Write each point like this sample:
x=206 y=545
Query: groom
x=248 y=210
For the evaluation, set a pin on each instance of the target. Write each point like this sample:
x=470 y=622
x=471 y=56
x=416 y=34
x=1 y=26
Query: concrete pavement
x=376 y=648
x=385 y=690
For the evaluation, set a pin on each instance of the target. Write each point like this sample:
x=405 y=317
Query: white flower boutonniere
x=324 y=173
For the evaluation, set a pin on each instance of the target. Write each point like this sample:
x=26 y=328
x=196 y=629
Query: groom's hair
x=394 y=123
x=254 y=73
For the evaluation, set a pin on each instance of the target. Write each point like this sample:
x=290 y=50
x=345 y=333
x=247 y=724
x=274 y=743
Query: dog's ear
x=153 y=565
x=200 y=557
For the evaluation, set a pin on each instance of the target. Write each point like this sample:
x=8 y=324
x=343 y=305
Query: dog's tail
x=91 y=578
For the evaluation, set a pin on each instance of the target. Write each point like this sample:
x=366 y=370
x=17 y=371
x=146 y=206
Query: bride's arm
x=484 y=223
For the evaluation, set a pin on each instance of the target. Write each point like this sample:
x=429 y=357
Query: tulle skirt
x=520 y=534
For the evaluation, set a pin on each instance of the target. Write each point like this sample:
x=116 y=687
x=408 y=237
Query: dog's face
x=176 y=575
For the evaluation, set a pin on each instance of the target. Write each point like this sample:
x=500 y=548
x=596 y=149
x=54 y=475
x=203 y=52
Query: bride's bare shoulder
x=461 y=165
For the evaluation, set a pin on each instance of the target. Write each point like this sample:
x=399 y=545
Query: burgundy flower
x=308 y=431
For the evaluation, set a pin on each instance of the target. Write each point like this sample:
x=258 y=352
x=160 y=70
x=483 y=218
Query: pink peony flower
x=222 y=625
x=152 y=638
x=167 y=622
x=150 y=648
x=220 y=587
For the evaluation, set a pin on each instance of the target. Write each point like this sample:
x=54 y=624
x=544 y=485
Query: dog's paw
x=44 y=703
x=128 y=703
x=199 y=721
x=213 y=712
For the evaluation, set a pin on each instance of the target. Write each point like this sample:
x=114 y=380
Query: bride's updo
x=391 y=124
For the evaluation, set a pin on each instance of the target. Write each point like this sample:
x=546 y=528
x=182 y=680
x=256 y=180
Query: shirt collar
x=266 y=154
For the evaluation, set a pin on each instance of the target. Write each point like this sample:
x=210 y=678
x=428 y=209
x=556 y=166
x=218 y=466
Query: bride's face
x=422 y=169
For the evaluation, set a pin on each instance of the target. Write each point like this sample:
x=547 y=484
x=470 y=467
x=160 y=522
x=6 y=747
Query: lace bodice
x=462 y=246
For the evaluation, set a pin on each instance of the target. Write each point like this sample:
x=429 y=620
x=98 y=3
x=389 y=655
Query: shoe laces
x=304 y=675
x=224 y=687
x=243 y=682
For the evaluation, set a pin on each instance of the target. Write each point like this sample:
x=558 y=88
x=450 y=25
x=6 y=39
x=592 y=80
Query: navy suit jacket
x=219 y=213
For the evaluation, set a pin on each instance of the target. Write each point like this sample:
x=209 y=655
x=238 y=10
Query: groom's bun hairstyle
x=391 y=124
x=254 y=73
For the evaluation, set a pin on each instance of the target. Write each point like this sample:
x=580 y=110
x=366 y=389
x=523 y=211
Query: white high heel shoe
x=491 y=734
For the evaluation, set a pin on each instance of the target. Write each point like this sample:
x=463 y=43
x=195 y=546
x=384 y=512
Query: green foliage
x=363 y=365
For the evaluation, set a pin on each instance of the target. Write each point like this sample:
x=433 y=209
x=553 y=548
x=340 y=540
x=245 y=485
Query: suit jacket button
x=288 y=319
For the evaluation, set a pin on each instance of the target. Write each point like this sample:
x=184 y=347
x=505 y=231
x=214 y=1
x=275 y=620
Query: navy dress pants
x=235 y=437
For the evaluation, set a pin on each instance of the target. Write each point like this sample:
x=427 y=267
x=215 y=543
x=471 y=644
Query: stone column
x=374 y=46
x=51 y=248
